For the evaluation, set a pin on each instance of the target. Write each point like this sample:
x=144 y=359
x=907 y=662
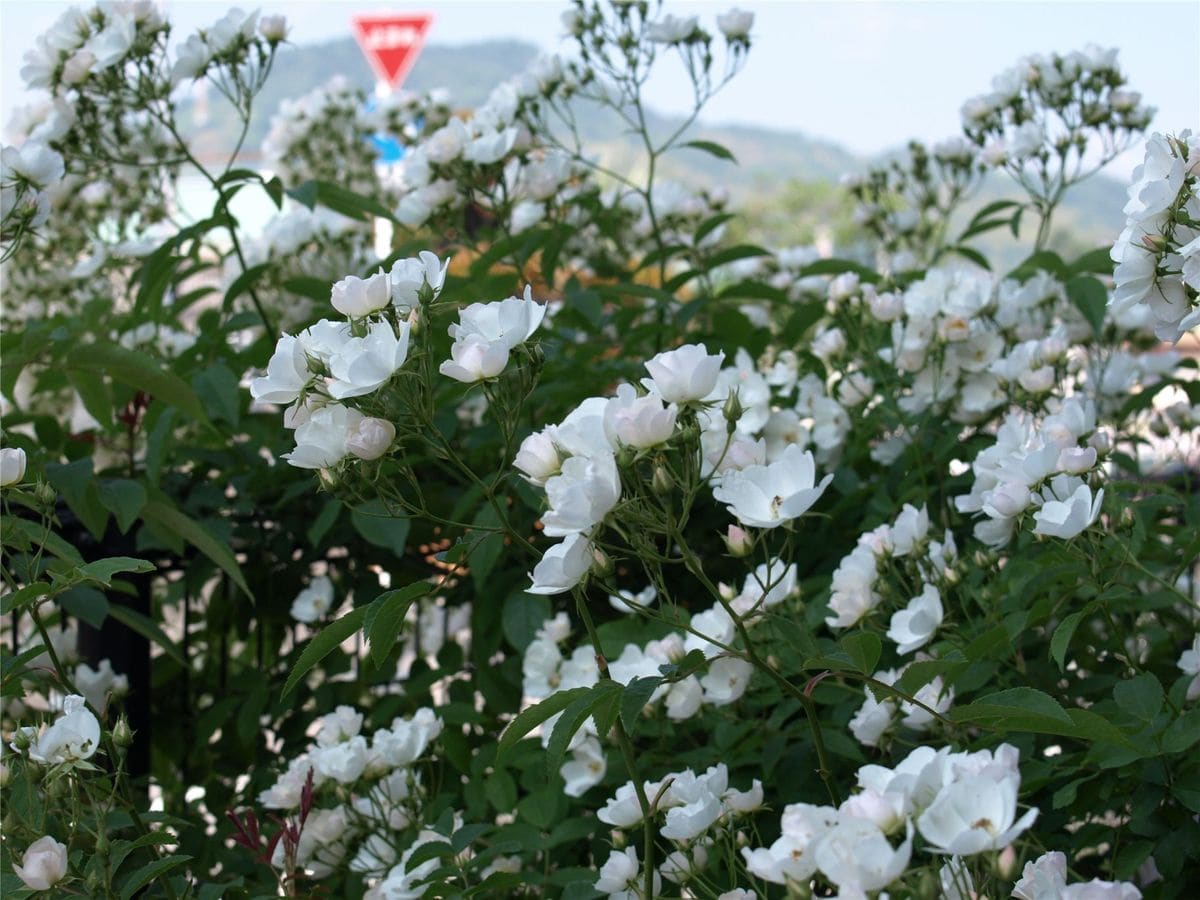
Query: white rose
x=43 y=865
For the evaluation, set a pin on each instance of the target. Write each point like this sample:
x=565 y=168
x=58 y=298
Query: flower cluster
x=1158 y=253
x=906 y=204
x=546 y=669
x=959 y=804
x=334 y=361
x=325 y=134
x=375 y=788
x=696 y=809
x=1039 y=464
x=1047 y=117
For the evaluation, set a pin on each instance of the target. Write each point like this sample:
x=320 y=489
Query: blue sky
x=867 y=75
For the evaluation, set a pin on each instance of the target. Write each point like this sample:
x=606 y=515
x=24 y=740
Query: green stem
x=627 y=753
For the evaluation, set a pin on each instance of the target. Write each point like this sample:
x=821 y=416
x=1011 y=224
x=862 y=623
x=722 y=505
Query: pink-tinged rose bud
x=273 y=28
x=43 y=865
x=359 y=297
x=738 y=541
x=371 y=438
x=538 y=458
x=79 y=66
x=1101 y=442
x=1076 y=460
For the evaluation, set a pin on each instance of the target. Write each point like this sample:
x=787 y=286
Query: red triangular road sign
x=391 y=43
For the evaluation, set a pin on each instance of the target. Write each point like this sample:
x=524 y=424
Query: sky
x=867 y=75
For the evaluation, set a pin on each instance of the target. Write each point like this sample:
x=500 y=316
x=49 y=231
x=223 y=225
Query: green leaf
x=1041 y=261
x=221 y=392
x=22 y=597
x=733 y=254
x=42 y=537
x=521 y=617
x=160 y=514
x=487 y=545
x=320 y=527
x=535 y=715
x=379 y=526
x=1094 y=262
x=568 y=724
x=103 y=570
x=863 y=649
x=1061 y=641
x=307 y=286
x=385 y=617
x=1183 y=733
x=340 y=200
x=607 y=706
x=1090 y=298
x=634 y=699
x=96 y=396
x=140 y=372
x=147 y=628
x=78 y=486
x=836 y=266
x=149 y=873
x=85 y=603
x=1140 y=697
x=973 y=255
x=712 y=149
x=323 y=643
x=124 y=498
x=243 y=283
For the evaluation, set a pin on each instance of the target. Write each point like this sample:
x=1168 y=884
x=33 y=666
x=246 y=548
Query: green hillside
x=785 y=181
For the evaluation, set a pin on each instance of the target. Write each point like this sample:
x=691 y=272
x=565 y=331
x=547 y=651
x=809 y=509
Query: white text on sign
x=390 y=36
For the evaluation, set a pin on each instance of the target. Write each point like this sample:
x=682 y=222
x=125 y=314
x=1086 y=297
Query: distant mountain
x=783 y=181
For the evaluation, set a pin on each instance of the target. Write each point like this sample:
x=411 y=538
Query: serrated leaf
x=608 y=705
x=567 y=725
x=535 y=715
x=634 y=699
x=1140 y=697
x=385 y=617
x=863 y=650
x=323 y=643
